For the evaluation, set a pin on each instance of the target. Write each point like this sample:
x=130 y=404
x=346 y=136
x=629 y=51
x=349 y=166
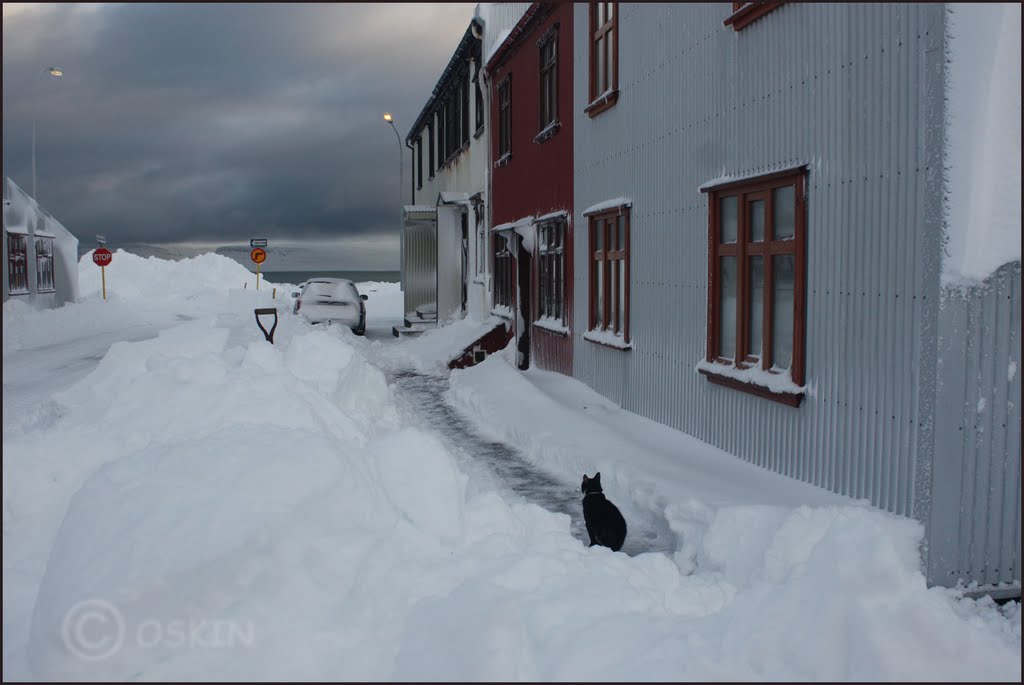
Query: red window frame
x=548 y=95
x=604 y=29
x=744 y=250
x=551 y=290
x=504 y=283
x=504 y=118
x=613 y=267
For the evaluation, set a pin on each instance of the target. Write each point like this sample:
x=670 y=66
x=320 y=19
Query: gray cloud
x=210 y=123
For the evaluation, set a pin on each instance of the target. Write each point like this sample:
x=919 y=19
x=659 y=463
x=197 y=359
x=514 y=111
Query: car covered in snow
x=332 y=300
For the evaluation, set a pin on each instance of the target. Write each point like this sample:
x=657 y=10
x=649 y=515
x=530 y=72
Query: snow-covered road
x=184 y=501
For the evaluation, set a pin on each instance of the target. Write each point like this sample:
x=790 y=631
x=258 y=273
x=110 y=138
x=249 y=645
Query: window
x=502 y=273
x=479 y=100
x=504 y=119
x=44 y=265
x=609 y=273
x=464 y=96
x=756 y=274
x=604 y=56
x=551 y=278
x=440 y=136
x=548 y=80
x=419 y=162
x=451 y=120
x=17 y=264
x=430 y=139
x=746 y=13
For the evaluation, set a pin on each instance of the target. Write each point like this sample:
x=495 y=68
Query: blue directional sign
x=257 y=242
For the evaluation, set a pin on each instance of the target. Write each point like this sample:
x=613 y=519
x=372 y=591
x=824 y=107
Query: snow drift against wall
x=983 y=127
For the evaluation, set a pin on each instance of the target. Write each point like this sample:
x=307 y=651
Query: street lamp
x=401 y=231
x=55 y=72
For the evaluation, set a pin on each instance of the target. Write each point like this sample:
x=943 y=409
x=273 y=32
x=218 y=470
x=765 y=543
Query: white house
x=446 y=248
x=40 y=257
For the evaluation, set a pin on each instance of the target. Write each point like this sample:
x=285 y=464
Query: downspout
x=488 y=195
x=412 y=201
x=412 y=167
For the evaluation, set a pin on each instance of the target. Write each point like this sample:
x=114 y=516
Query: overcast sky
x=213 y=123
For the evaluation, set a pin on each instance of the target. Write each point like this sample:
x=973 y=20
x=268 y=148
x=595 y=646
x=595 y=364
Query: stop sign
x=102 y=256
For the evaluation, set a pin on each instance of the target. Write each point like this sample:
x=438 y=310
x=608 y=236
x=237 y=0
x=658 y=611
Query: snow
x=724 y=177
x=550 y=323
x=608 y=337
x=522 y=222
x=551 y=216
x=1011 y=371
x=983 y=108
x=776 y=382
x=614 y=203
x=192 y=502
x=431 y=351
x=450 y=197
x=498 y=42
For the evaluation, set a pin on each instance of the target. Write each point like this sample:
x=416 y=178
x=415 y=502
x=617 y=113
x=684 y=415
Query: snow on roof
x=560 y=214
x=409 y=209
x=609 y=204
x=513 y=225
x=450 y=197
x=725 y=178
x=982 y=213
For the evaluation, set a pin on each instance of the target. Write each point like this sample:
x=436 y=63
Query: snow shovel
x=267 y=311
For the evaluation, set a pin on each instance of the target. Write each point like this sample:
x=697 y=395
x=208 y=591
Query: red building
x=530 y=83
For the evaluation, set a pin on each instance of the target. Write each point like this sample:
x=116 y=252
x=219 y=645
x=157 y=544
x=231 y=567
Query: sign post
x=258 y=255
x=102 y=257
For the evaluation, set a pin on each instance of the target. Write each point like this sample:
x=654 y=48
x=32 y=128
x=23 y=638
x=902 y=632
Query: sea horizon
x=297 y=276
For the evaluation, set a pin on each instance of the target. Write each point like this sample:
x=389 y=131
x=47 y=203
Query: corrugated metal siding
x=449 y=263
x=538 y=178
x=553 y=351
x=976 y=480
x=842 y=88
x=419 y=272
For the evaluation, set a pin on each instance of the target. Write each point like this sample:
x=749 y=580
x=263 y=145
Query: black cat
x=604 y=520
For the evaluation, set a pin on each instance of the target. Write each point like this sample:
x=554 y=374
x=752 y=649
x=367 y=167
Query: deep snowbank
x=206 y=505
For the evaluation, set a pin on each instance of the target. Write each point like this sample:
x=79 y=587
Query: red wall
x=538 y=177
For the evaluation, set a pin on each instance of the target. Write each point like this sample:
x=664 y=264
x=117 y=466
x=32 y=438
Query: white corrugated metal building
x=761 y=209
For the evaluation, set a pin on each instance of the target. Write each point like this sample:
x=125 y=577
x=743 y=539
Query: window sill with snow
x=552 y=325
x=601 y=103
x=608 y=339
x=775 y=386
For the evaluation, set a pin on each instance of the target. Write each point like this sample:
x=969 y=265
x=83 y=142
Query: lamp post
x=401 y=231
x=55 y=72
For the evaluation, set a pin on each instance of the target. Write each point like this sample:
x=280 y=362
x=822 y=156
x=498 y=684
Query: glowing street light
x=401 y=232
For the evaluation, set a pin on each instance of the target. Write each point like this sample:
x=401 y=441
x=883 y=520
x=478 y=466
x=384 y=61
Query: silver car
x=332 y=300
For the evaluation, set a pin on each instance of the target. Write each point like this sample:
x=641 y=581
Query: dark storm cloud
x=212 y=122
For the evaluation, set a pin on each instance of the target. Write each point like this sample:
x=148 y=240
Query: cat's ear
x=597 y=476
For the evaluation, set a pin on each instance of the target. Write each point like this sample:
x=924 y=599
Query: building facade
x=530 y=87
x=759 y=226
x=448 y=184
x=40 y=256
